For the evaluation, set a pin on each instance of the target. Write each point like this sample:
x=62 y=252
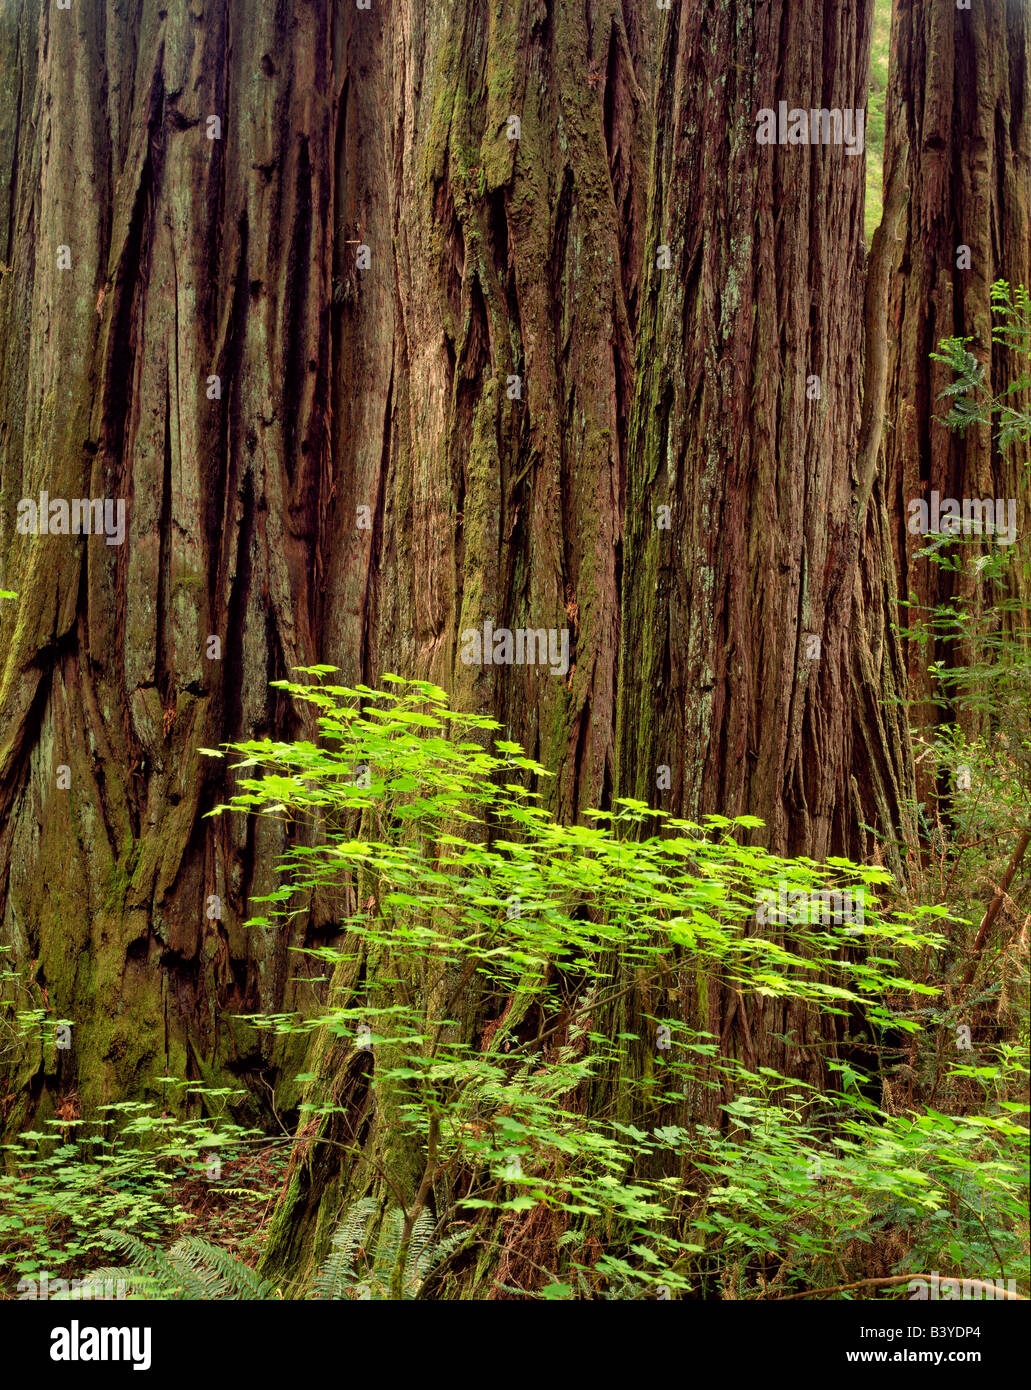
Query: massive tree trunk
x=761 y=309
x=422 y=331
x=959 y=96
x=165 y=329
x=484 y=363
x=757 y=676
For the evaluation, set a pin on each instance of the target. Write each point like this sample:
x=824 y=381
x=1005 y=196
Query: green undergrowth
x=546 y=1112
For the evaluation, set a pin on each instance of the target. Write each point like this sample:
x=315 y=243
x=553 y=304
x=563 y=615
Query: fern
x=387 y=1249
x=152 y=1273
x=239 y=1281
x=192 y=1269
x=420 y=1251
x=341 y=1274
x=195 y=1269
x=336 y=1274
x=443 y=1250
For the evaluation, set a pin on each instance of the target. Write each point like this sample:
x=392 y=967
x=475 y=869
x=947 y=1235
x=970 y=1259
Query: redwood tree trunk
x=365 y=480
x=188 y=258
x=764 y=293
x=755 y=675
x=959 y=94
